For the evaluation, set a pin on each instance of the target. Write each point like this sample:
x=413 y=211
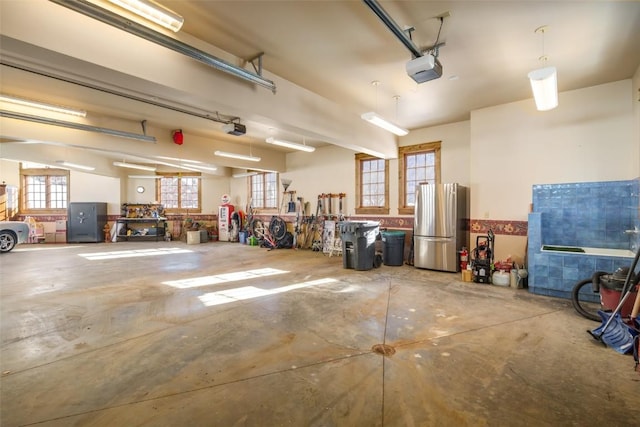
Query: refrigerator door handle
x=436 y=239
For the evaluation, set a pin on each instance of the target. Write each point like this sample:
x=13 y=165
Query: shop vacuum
x=482 y=258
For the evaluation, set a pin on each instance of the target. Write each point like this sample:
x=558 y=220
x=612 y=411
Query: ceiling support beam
x=77 y=126
x=394 y=27
x=96 y=12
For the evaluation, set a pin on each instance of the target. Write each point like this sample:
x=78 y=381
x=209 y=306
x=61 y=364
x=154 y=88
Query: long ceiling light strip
x=153 y=12
x=134 y=166
x=375 y=119
x=244 y=174
x=289 y=144
x=42 y=105
x=108 y=17
x=237 y=156
x=75 y=165
x=77 y=126
x=145 y=176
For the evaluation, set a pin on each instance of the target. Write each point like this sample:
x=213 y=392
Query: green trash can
x=393 y=247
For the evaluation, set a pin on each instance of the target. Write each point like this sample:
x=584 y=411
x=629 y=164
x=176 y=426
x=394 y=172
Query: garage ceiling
x=336 y=49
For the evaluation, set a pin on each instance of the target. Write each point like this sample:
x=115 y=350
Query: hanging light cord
x=435 y=49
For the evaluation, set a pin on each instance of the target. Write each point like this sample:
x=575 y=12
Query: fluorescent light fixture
x=375 y=119
x=134 y=166
x=244 y=174
x=289 y=144
x=75 y=165
x=178 y=159
x=42 y=106
x=237 y=156
x=145 y=176
x=544 y=84
x=98 y=12
x=153 y=12
x=206 y=168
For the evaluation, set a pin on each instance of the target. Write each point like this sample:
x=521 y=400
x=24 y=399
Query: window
x=264 y=190
x=372 y=185
x=44 y=190
x=418 y=163
x=179 y=192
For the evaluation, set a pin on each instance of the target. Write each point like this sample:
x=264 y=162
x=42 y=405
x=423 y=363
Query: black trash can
x=358 y=243
x=393 y=247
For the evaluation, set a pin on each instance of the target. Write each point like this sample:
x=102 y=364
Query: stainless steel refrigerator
x=440 y=226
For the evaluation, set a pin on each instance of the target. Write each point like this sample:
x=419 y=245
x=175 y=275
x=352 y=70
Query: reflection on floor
x=164 y=333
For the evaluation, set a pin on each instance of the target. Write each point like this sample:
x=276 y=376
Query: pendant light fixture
x=379 y=121
x=289 y=144
x=75 y=165
x=544 y=81
x=134 y=166
x=249 y=158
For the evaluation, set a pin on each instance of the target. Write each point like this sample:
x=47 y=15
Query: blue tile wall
x=593 y=214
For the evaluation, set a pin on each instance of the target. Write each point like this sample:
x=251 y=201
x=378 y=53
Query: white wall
x=588 y=137
x=9 y=171
x=635 y=100
x=86 y=187
x=329 y=169
x=212 y=189
x=456 y=149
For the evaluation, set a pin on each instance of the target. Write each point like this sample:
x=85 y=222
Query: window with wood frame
x=417 y=164
x=263 y=188
x=43 y=189
x=179 y=192
x=372 y=185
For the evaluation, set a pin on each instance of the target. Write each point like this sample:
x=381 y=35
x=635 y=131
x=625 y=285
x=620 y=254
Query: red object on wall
x=178 y=136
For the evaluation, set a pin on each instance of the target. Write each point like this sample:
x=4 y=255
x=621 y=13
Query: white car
x=12 y=233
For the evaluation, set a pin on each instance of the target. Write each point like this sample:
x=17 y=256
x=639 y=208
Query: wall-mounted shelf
x=141 y=222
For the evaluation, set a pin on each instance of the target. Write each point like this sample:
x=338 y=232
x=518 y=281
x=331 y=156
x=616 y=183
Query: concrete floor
x=222 y=334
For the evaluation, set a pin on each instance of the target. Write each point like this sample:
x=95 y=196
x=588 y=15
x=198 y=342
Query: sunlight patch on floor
x=249 y=292
x=44 y=247
x=134 y=253
x=195 y=282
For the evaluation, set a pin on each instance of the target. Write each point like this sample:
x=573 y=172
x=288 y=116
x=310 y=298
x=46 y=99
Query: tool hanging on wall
x=314 y=224
x=285 y=184
x=291 y=205
x=297 y=229
x=340 y=213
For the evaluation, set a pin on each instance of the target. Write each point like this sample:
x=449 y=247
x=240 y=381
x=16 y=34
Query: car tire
x=7 y=241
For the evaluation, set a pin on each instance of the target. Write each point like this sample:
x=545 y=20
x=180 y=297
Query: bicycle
x=269 y=235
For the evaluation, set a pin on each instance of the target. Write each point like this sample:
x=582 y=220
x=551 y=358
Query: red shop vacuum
x=482 y=258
